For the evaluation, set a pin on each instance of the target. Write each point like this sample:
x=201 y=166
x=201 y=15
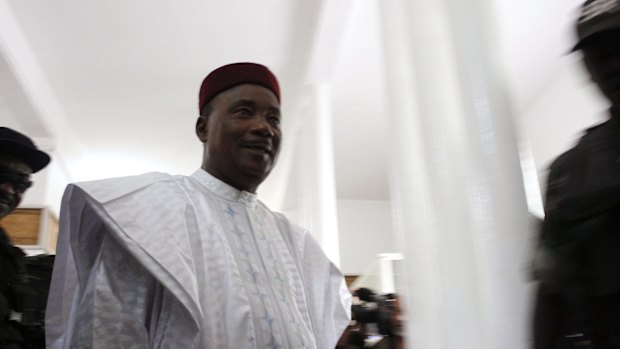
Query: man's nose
x=263 y=127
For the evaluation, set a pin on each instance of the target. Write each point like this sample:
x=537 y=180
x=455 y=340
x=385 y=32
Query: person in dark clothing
x=578 y=304
x=19 y=158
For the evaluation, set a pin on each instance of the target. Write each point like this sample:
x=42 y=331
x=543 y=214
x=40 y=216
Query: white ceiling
x=122 y=77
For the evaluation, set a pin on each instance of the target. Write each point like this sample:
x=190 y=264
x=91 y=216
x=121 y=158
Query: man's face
x=14 y=180
x=242 y=135
x=602 y=58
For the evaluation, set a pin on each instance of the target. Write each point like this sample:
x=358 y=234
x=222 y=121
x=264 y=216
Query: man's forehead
x=248 y=93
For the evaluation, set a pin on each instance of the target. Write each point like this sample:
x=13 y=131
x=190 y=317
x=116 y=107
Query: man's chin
x=258 y=172
x=258 y=168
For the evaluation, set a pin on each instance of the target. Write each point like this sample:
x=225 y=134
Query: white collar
x=224 y=190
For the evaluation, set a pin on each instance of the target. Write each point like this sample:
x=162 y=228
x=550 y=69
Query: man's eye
x=274 y=120
x=244 y=111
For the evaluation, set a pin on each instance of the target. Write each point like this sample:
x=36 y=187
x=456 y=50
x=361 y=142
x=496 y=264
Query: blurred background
x=417 y=133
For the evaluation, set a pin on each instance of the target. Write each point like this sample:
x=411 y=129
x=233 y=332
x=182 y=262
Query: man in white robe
x=162 y=261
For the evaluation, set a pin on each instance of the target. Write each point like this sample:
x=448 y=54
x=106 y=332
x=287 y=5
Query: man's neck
x=245 y=186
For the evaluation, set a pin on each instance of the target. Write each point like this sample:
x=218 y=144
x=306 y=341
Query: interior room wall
x=57 y=180
x=562 y=112
x=36 y=195
x=366 y=230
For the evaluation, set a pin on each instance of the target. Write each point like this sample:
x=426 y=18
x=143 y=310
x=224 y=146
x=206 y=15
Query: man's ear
x=202 y=128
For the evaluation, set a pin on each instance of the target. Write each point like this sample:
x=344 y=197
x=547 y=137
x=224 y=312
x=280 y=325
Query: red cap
x=231 y=75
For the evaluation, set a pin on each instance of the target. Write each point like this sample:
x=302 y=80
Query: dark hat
x=597 y=16
x=231 y=75
x=18 y=145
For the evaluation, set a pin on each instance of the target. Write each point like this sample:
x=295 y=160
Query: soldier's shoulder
x=598 y=127
x=560 y=161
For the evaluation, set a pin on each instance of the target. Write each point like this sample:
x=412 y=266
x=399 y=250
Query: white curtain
x=458 y=188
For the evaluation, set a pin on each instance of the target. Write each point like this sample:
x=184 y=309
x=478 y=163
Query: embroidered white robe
x=161 y=261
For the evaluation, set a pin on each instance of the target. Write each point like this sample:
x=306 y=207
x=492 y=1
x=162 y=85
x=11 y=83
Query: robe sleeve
x=117 y=304
x=325 y=291
x=327 y=294
x=101 y=297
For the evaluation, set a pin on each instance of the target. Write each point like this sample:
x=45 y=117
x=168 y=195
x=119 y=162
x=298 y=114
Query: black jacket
x=11 y=291
x=582 y=214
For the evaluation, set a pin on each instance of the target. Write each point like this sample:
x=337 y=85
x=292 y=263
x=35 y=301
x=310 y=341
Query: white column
x=457 y=184
x=386 y=271
x=318 y=179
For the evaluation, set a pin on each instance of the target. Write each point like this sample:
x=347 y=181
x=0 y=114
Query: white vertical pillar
x=457 y=184
x=319 y=187
x=386 y=272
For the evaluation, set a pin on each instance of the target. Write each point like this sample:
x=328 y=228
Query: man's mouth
x=260 y=147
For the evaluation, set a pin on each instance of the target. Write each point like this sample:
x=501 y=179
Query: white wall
x=365 y=230
x=58 y=178
x=554 y=122
x=36 y=195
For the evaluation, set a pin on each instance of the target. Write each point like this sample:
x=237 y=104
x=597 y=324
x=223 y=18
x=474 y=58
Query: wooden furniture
x=33 y=229
x=349 y=279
